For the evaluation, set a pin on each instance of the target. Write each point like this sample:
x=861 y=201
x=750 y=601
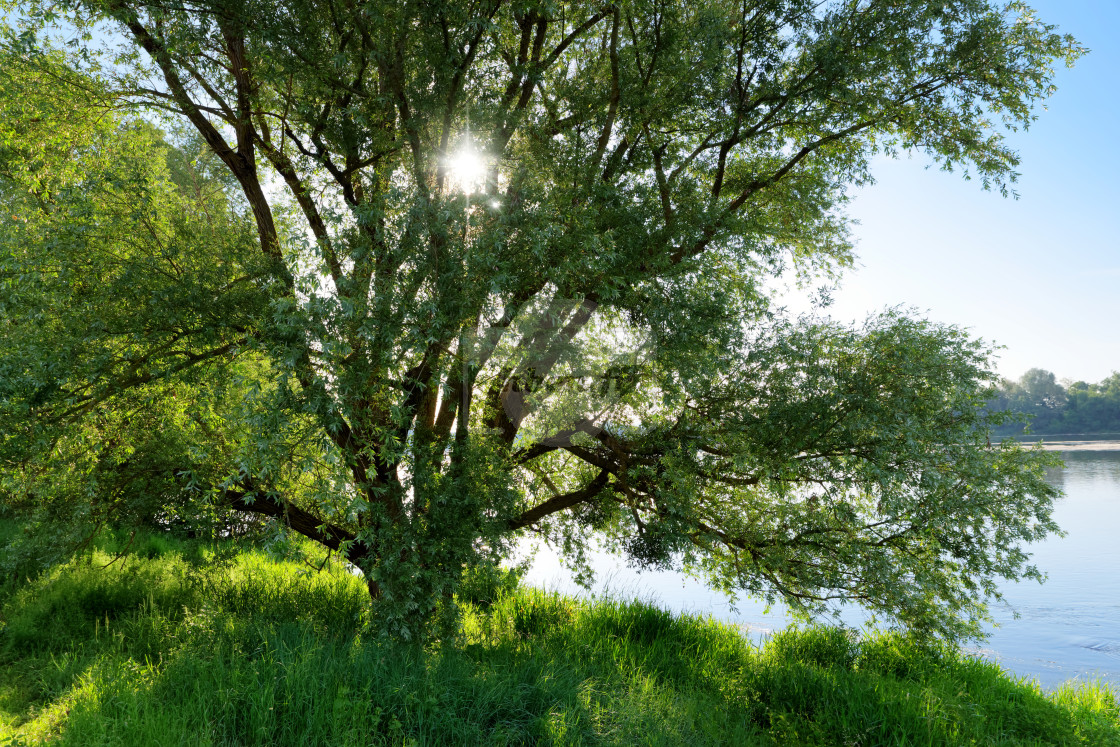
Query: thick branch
x=298 y=520
x=299 y=189
x=616 y=95
x=561 y=502
x=240 y=161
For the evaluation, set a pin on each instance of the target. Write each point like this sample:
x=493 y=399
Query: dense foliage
x=413 y=279
x=1078 y=408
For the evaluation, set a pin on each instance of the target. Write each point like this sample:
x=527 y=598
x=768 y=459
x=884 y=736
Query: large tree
x=415 y=278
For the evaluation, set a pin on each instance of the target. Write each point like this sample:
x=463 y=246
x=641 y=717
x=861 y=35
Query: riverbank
x=1073 y=445
x=1072 y=441
x=151 y=650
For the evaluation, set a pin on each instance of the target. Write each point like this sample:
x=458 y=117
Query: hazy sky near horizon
x=1039 y=275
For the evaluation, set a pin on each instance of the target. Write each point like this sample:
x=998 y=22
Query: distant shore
x=1048 y=445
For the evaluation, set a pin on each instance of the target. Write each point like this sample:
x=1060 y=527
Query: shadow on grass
x=146 y=653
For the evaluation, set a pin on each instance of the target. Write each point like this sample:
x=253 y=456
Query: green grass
x=151 y=651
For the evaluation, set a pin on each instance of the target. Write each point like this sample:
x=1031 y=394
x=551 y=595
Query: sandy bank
x=1079 y=445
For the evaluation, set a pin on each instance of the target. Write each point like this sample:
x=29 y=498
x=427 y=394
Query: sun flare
x=467 y=169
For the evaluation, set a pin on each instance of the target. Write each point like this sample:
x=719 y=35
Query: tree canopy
x=413 y=279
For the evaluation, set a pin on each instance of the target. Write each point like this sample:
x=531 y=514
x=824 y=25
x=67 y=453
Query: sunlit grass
x=154 y=651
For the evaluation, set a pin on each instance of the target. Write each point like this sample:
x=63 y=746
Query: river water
x=1066 y=629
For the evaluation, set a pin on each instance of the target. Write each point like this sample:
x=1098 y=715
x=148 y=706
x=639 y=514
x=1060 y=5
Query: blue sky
x=1039 y=275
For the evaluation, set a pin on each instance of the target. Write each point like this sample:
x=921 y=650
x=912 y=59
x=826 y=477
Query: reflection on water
x=1070 y=626
x=1067 y=628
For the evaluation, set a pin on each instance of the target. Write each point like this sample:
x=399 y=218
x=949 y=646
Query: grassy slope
x=148 y=651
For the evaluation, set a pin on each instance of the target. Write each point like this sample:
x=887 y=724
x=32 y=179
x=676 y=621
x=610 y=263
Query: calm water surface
x=1068 y=628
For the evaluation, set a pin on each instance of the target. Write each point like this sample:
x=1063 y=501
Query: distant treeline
x=1073 y=408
